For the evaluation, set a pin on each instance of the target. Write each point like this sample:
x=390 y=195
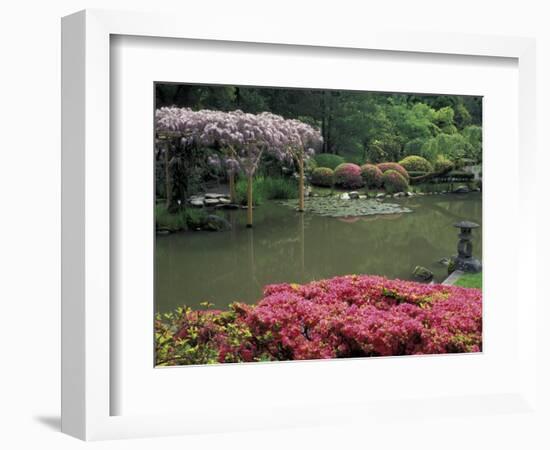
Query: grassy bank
x=471 y=280
x=266 y=188
x=182 y=220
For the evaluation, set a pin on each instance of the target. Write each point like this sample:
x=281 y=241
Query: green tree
x=473 y=134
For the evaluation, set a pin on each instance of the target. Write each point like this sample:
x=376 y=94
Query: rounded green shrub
x=443 y=164
x=322 y=176
x=348 y=176
x=309 y=166
x=372 y=175
x=416 y=164
x=328 y=160
x=394 y=166
x=393 y=181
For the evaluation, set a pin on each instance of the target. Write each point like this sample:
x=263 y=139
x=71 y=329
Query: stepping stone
x=214 y=195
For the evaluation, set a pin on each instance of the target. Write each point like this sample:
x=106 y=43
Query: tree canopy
x=361 y=126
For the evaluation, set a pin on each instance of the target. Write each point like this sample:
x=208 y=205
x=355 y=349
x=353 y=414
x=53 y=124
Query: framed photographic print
x=316 y=230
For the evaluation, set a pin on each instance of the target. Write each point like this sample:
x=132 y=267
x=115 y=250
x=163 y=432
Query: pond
x=287 y=246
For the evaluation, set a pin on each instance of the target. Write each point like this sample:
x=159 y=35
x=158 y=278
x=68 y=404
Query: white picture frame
x=87 y=325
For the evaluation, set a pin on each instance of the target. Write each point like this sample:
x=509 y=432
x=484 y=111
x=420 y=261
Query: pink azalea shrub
x=372 y=175
x=348 y=176
x=384 y=167
x=348 y=316
x=393 y=181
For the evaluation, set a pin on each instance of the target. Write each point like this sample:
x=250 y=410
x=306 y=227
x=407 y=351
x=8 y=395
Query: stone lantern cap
x=466 y=224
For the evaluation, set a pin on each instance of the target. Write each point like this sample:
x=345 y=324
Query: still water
x=286 y=246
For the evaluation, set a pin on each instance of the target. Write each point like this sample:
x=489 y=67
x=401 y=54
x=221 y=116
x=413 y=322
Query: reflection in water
x=287 y=246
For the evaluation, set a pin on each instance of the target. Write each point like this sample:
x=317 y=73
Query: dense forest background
x=360 y=126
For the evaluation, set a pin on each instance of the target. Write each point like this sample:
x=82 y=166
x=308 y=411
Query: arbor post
x=301 y=205
x=232 y=193
x=249 y=203
x=168 y=177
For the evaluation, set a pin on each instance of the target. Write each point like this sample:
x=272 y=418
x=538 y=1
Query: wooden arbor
x=242 y=139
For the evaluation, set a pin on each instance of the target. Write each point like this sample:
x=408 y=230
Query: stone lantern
x=465 y=261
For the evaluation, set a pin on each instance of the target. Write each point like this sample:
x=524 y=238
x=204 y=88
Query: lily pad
x=338 y=207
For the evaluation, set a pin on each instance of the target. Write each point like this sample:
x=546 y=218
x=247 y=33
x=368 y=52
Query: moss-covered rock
x=215 y=223
x=422 y=273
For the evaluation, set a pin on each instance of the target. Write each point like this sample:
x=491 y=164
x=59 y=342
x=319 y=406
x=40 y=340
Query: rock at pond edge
x=215 y=223
x=422 y=273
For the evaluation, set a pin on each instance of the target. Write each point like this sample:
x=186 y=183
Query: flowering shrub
x=348 y=176
x=393 y=181
x=372 y=175
x=348 y=316
x=394 y=166
x=322 y=176
x=416 y=164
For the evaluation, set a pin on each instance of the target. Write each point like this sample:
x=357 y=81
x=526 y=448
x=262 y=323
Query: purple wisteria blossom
x=243 y=138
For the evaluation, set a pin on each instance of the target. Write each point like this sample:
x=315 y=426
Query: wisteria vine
x=242 y=137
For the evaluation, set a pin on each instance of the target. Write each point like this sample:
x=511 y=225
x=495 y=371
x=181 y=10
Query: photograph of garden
x=299 y=224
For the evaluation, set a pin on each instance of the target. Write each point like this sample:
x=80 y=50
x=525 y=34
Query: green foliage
x=241 y=192
x=416 y=163
x=372 y=176
x=393 y=182
x=386 y=149
x=413 y=121
x=452 y=146
x=462 y=116
x=444 y=119
x=309 y=166
x=171 y=222
x=355 y=159
x=322 y=176
x=443 y=164
x=195 y=218
x=266 y=188
x=184 y=219
x=279 y=188
x=328 y=160
x=185 y=336
x=414 y=146
x=474 y=135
